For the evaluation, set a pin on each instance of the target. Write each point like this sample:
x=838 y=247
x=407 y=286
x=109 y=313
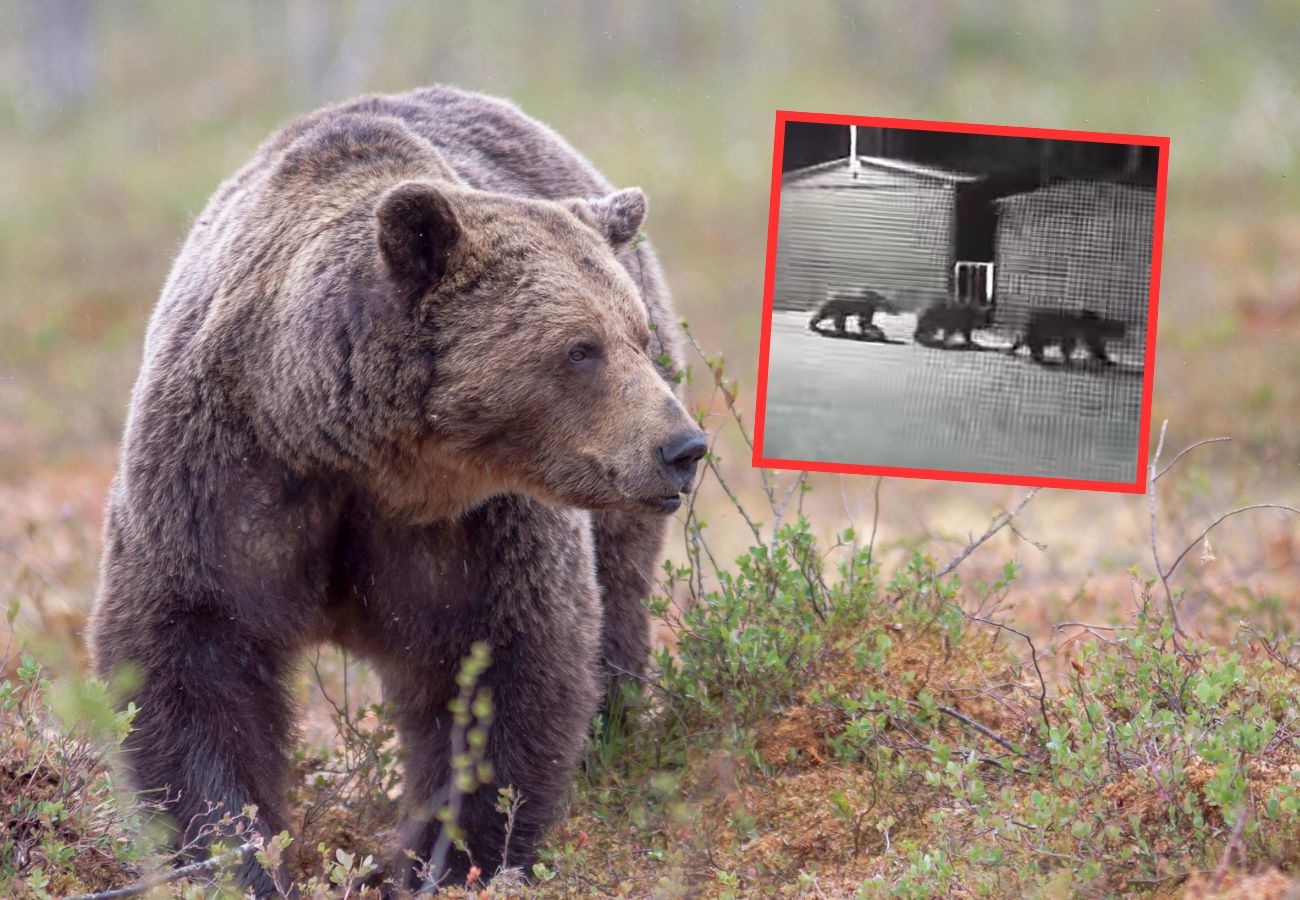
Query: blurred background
x=117 y=120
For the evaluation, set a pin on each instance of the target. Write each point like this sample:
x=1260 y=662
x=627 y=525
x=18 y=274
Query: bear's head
x=543 y=375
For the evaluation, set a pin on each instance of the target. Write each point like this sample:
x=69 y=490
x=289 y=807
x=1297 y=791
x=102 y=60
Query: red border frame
x=1138 y=485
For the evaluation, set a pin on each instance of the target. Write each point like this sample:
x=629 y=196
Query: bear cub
x=1066 y=330
x=939 y=323
x=844 y=302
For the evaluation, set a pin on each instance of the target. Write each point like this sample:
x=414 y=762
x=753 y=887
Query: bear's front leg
x=627 y=549
x=212 y=729
x=540 y=716
x=212 y=584
x=519 y=577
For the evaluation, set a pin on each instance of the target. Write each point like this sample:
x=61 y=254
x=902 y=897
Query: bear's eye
x=583 y=353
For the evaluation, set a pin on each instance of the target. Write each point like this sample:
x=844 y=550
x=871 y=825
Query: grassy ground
x=853 y=764
x=817 y=725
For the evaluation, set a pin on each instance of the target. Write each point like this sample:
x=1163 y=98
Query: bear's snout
x=681 y=454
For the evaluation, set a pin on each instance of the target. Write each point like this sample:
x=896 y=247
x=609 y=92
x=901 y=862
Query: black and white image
x=973 y=303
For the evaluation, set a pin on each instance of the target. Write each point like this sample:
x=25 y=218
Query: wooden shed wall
x=888 y=230
x=1074 y=245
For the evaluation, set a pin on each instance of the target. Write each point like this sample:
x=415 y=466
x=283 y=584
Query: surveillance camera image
x=962 y=302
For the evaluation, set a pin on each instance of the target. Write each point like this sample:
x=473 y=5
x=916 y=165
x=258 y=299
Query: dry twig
x=1152 y=477
x=1241 y=509
x=161 y=878
x=1181 y=453
x=999 y=522
x=1033 y=657
x=982 y=729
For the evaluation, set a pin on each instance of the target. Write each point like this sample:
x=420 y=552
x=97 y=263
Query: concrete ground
x=903 y=404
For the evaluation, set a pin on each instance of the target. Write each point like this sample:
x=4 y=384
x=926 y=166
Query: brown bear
x=409 y=386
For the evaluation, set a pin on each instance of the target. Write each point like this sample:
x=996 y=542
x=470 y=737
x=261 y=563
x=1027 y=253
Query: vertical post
x=853 y=150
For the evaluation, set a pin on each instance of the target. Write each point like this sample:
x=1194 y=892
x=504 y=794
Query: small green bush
x=66 y=824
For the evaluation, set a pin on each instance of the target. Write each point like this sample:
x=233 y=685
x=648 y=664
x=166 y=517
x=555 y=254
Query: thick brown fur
x=406 y=388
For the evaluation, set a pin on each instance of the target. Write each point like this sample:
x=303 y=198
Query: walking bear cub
x=844 y=302
x=1067 y=330
x=938 y=323
x=408 y=387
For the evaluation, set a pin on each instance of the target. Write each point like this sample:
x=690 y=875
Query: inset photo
x=962 y=302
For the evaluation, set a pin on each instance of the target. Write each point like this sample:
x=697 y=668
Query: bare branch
x=982 y=729
x=1033 y=657
x=713 y=467
x=1241 y=509
x=1037 y=545
x=853 y=548
x=999 y=522
x=727 y=395
x=1087 y=628
x=161 y=878
x=1185 y=451
x=1155 y=549
x=778 y=509
x=875 y=521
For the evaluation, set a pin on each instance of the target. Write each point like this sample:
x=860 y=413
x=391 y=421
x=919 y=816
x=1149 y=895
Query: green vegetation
x=65 y=821
x=822 y=731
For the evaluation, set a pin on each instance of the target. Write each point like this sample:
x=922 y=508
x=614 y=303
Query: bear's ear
x=618 y=216
x=418 y=229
